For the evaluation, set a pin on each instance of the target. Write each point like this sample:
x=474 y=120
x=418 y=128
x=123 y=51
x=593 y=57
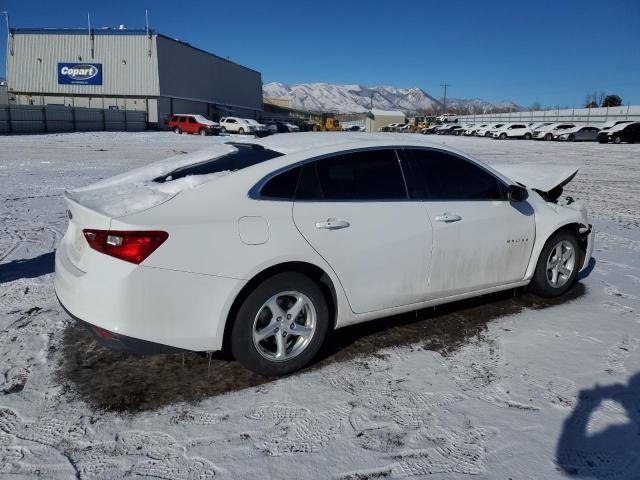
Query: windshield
x=246 y=156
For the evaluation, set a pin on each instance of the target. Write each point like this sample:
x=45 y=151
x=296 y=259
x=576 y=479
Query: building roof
x=386 y=113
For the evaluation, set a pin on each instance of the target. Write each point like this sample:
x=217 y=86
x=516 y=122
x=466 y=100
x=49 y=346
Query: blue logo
x=80 y=73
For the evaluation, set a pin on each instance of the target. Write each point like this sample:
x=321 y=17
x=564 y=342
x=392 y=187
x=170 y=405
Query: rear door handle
x=333 y=224
x=448 y=218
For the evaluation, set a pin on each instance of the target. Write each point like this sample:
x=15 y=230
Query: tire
x=541 y=283
x=617 y=139
x=255 y=316
x=223 y=130
x=241 y=130
x=571 y=138
x=527 y=136
x=203 y=132
x=503 y=136
x=548 y=137
x=177 y=130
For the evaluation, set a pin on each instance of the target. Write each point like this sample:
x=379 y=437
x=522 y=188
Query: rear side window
x=246 y=156
x=282 y=186
x=191 y=120
x=437 y=175
x=367 y=175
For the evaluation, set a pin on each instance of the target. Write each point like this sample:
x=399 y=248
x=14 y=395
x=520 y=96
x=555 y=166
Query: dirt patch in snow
x=122 y=382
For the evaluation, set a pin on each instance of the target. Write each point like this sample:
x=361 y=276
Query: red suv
x=188 y=123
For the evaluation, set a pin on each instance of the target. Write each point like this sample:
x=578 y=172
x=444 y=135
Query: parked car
x=193 y=123
x=485 y=132
x=259 y=129
x=430 y=130
x=580 y=134
x=513 y=130
x=292 y=127
x=235 y=125
x=549 y=132
x=447 y=129
x=392 y=127
x=624 y=132
x=612 y=123
x=307 y=240
x=472 y=130
x=447 y=118
x=272 y=127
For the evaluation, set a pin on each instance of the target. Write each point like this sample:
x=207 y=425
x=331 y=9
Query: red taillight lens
x=131 y=247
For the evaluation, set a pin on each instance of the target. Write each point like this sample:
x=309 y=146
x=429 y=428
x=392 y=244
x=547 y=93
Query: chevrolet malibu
x=262 y=248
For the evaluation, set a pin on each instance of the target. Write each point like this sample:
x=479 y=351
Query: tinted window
x=191 y=120
x=182 y=120
x=282 y=185
x=436 y=175
x=367 y=175
x=244 y=157
x=174 y=118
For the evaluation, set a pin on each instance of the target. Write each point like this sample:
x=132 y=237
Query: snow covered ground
x=500 y=387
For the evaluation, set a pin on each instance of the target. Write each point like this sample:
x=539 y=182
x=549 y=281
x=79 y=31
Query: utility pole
x=444 y=103
x=6 y=69
x=371 y=101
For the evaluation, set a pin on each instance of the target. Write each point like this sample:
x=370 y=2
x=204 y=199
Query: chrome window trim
x=254 y=192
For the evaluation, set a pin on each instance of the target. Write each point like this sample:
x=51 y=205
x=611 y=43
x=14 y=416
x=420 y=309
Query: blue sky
x=553 y=52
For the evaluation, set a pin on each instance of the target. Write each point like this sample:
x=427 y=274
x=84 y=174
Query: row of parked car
x=199 y=124
x=618 y=131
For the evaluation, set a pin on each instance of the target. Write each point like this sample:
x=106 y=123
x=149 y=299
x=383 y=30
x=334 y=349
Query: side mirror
x=516 y=193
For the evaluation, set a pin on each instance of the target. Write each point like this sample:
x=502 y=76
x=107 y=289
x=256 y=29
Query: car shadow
x=585 y=451
x=117 y=381
x=27 y=268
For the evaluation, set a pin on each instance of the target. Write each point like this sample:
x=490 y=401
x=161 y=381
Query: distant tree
x=591 y=104
x=600 y=96
x=612 y=101
x=536 y=106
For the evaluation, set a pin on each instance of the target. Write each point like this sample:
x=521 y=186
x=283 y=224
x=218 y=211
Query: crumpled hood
x=543 y=177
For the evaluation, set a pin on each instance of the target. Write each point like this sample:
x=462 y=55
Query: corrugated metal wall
x=189 y=73
x=127 y=68
x=587 y=116
x=58 y=118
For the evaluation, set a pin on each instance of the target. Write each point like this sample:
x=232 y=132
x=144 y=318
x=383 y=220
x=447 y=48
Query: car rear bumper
x=154 y=305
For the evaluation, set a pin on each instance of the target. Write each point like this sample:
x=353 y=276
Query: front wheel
x=177 y=130
x=571 y=138
x=548 y=136
x=203 y=132
x=503 y=136
x=558 y=265
x=527 y=136
x=281 y=325
x=241 y=130
x=617 y=139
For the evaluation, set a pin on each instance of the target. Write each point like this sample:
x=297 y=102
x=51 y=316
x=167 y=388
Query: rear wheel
x=241 y=130
x=617 y=139
x=527 y=136
x=558 y=265
x=281 y=325
x=177 y=130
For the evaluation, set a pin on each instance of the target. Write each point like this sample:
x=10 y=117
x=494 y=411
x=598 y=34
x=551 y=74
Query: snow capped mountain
x=477 y=105
x=341 y=98
x=328 y=97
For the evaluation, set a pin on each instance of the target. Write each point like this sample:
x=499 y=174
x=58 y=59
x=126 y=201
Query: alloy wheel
x=560 y=265
x=284 y=326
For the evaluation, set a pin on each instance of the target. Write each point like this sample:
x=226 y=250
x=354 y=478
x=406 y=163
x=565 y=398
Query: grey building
x=127 y=69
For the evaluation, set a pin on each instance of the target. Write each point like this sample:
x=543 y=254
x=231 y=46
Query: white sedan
x=263 y=247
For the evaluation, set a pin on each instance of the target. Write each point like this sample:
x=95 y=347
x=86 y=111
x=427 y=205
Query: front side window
x=438 y=175
x=366 y=175
x=191 y=120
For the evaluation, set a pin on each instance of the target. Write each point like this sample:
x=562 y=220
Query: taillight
x=131 y=247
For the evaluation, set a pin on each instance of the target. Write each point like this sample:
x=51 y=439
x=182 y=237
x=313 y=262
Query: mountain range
x=353 y=98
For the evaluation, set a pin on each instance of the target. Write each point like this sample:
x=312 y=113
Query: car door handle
x=333 y=224
x=448 y=218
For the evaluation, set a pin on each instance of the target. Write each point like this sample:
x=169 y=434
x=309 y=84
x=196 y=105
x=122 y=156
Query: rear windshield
x=246 y=156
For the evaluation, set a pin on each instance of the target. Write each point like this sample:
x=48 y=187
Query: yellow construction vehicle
x=326 y=123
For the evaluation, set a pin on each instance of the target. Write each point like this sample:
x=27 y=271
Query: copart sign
x=80 y=73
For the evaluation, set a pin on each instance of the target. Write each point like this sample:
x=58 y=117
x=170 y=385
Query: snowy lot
x=500 y=387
